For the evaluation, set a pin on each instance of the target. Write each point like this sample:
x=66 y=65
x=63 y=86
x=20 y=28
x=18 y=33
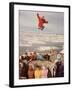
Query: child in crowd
x=30 y=71
x=37 y=72
x=44 y=72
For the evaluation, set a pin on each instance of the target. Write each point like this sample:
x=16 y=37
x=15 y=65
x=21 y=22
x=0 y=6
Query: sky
x=33 y=39
x=28 y=21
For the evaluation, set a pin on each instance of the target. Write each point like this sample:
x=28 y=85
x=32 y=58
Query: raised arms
x=38 y=15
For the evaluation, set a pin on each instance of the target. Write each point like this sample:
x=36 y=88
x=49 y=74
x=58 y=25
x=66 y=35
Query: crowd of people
x=30 y=70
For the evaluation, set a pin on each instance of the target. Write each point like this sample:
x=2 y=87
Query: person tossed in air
x=41 y=22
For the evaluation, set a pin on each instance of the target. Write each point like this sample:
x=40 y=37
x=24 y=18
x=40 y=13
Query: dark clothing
x=49 y=73
x=60 y=69
x=27 y=58
x=47 y=57
x=24 y=70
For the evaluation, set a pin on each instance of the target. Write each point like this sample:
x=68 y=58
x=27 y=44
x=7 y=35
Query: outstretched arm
x=45 y=21
x=38 y=15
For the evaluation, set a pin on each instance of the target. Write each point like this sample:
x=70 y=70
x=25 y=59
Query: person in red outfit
x=41 y=22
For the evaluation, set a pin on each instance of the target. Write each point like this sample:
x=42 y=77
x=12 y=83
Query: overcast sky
x=28 y=21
